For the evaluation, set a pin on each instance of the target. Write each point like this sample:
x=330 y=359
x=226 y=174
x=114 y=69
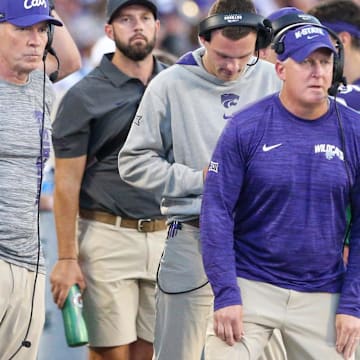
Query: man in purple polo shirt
x=273 y=215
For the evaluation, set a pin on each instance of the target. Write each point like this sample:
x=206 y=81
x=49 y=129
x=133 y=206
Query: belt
x=142 y=225
x=195 y=223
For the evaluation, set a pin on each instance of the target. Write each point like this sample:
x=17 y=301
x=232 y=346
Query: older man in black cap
x=120 y=229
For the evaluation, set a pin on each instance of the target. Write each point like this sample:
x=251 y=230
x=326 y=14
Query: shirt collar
x=116 y=76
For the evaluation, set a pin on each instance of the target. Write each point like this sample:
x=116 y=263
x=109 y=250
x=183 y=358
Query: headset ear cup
x=337 y=75
x=278 y=47
x=264 y=36
x=261 y=40
x=207 y=36
x=50 y=37
x=335 y=68
x=338 y=69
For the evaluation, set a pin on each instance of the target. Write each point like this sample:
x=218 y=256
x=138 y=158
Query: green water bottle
x=74 y=324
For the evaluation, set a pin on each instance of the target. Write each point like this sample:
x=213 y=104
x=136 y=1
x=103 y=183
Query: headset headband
x=219 y=21
x=279 y=35
x=292 y=19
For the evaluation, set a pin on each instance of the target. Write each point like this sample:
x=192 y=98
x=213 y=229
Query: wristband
x=66 y=258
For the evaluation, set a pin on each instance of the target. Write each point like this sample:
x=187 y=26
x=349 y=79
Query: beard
x=136 y=52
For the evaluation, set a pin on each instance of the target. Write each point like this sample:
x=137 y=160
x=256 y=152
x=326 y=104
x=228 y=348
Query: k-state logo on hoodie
x=229 y=101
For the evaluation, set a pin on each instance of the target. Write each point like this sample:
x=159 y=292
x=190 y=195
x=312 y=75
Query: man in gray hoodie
x=175 y=129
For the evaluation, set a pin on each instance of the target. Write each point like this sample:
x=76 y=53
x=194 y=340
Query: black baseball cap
x=114 y=5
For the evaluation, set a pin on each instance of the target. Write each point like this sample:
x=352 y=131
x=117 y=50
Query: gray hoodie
x=176 y=127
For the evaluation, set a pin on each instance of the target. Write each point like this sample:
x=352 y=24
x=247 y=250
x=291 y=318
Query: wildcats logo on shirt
x=330 y=151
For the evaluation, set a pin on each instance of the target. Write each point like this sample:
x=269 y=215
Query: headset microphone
x=334 y=88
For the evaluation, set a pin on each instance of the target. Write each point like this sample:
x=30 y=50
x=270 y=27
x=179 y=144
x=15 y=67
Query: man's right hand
x=65 y=274
x=228 y=324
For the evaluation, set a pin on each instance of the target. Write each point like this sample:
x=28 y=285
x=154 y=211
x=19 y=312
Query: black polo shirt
x=93 y=119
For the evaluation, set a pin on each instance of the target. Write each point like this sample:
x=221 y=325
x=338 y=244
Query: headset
x=255 y=21
x=338 y=67
x=50 y=50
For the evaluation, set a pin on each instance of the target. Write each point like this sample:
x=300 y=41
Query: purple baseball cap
x=300 y=42
x=25 y=13
x=290 y=15
x=287 y=10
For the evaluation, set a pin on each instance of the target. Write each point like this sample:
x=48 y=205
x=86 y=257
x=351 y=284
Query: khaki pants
x=119 y=266
x=16 y=293
x=357 y=353
x=306 y=322
x=181 y=319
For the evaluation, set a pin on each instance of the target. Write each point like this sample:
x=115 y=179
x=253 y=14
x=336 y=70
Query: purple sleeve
x=222 y=187
x=351 y=95
x=349 y=300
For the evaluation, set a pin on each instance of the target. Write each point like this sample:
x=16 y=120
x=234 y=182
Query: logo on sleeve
x=214 y=166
